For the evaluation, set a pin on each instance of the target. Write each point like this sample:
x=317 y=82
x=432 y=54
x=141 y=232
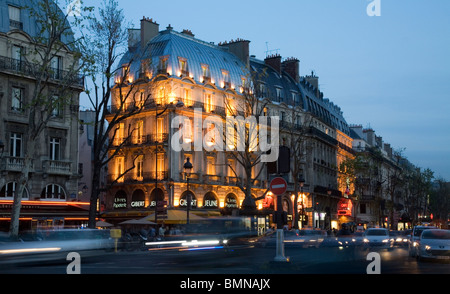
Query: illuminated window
x=160 y=166
x=140 y=99
x=120 y=167
x=208 y=103
x=187 y=97
x=139 y=166
x=160 y=129
x=139 y=132
x=210 y=168
x=187 y=131
x=230 y=167
x=226 y=79
x=163 y=62
x=119 y=134
x=183 y=66
x=205 y=73
x=210 y=136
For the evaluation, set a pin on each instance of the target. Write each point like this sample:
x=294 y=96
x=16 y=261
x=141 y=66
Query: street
x=238 y=260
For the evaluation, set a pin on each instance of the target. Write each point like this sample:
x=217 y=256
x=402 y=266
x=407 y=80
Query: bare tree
x=241 y=136
x=53 y=87
x=106 y=44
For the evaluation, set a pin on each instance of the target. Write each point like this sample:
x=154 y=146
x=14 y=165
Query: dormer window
x=206 y=76
x=163 y=62
x=14 y=18
x=183 y=67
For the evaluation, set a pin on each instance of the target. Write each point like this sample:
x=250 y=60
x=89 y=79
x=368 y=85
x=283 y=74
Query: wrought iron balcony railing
x=32 y=70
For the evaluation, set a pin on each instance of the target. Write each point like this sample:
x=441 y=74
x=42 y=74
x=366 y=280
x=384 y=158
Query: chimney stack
x=292 y=67
x=149 y=30
x=240 y=48
x=274 y=61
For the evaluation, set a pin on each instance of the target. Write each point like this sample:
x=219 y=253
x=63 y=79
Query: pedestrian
x=161 y=232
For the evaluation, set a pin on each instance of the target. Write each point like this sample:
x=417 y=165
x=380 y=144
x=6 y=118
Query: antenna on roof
x=269 y=51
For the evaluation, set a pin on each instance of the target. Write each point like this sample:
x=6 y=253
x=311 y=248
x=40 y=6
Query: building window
x=14 y=18
x=139 y=167
x=163 y=62
x=208 y=103
x=139 y=132
x=183 y=66
x=53 y=192
x=56 y=67
x=160 y=166
x=226 y=79
x=205 y=73
x=55 y=152
x=210 y=168
x=119 y=134
x=187 y=100
x=231 y=168
x=15 y=147
x=120 y=167
x=9 y=191
x=17 y=99
x=56 y=106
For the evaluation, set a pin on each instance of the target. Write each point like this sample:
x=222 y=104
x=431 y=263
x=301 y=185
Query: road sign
x=278 y=186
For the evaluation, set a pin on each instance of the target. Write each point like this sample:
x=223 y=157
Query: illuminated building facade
x=182 y=75
x=51 y=194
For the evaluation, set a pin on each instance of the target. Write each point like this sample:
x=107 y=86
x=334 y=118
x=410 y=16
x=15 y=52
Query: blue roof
x=29 y=23
x=177 y=45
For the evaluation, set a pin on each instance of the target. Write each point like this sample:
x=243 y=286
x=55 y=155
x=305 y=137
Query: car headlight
x=415 y=244
x=427 y=248
x=398 y=240
x=385 y=240
x=366 y=240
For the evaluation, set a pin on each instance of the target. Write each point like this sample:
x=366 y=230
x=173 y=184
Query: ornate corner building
x=170 y=74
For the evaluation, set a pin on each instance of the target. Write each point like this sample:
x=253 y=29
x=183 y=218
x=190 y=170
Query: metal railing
x=32 y=70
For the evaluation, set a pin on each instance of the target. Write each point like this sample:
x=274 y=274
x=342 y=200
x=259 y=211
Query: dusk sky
x=389 y=72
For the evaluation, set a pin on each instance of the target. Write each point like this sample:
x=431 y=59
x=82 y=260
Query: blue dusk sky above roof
x=389 y=72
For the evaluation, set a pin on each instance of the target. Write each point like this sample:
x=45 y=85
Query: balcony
x=14 y=164
x=25 y=68
x=57 y=167
x=146 y=177
x=209 y=179
x=142 y=140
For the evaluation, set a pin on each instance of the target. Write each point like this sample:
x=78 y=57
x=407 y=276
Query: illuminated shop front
x=38 y=214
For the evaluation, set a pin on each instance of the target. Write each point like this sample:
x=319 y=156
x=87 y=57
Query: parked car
x=378 y=238
x=310 y=237
x=414 y=238
x=434 y=244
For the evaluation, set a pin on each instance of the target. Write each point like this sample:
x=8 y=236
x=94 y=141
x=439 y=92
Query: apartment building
x=197 y=80
x=50 y=195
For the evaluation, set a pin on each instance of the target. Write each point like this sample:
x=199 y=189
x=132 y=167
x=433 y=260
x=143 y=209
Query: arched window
x=9 y=191
x=53 y=191
x=210 y=200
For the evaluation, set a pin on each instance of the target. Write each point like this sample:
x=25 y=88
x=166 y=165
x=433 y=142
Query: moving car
x=434 y=244
x=53 y=245
x=378 y=238
x=415 y=235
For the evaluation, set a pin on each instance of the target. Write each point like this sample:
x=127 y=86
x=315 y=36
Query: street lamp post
x=187 y=170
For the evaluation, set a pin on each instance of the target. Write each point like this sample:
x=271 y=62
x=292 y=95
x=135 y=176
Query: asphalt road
x=237 y=260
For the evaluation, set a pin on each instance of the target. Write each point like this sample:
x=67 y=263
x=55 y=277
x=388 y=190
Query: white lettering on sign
x=278 y=186
x=137 y=203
